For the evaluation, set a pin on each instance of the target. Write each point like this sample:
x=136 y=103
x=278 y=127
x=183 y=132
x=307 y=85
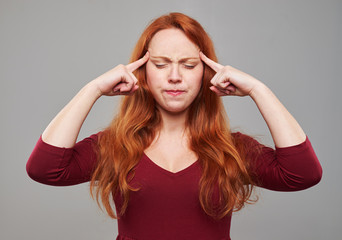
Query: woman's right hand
x=120 y=80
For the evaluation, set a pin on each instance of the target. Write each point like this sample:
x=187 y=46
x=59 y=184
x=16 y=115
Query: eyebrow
x=180 y=60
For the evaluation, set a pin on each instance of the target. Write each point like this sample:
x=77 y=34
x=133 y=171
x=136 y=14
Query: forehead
x=172 y=43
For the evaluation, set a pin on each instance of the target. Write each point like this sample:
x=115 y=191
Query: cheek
x=198 y=75
x=150 y=74
x=153 y=79
x=148 y=70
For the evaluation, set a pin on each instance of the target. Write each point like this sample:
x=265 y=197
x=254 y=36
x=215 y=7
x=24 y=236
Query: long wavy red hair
x=121 y=145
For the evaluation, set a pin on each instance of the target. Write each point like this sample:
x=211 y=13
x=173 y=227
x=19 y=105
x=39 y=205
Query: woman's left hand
x=229 y=80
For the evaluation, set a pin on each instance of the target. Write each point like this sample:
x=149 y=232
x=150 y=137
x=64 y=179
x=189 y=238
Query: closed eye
x=160 y=65
x=189 y=66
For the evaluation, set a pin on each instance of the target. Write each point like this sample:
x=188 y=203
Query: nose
x=175 y=76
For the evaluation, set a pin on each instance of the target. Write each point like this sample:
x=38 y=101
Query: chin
x=174 y=109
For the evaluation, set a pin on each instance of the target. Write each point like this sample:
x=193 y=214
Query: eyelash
x=185 y=65
x=160 y=65
x=189 y=66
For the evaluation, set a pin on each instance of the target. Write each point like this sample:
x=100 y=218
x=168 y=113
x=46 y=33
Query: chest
x=169 y=203
x=159 y=187
x=172 y=156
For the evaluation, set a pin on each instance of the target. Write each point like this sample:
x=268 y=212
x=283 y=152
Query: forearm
x=284 y=129
x=64 y=128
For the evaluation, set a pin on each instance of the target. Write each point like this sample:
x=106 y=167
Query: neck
x=173 y=123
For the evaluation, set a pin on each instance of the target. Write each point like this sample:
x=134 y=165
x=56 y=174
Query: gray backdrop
x=50 y=49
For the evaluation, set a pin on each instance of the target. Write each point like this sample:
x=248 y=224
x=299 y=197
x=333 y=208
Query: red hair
x=122 y=143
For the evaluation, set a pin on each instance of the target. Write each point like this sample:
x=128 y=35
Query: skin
x=174 y=64
x=64 y=128
x=167 y=70
x=228 y=80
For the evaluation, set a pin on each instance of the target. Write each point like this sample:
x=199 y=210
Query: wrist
x=260 y=89
x=94 y=89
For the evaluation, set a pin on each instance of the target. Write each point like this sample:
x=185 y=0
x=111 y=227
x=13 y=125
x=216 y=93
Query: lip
x=176 y=92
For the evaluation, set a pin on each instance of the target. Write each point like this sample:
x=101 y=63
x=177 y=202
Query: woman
x=168 y=159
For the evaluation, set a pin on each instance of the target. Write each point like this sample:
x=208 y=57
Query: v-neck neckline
x=178 y=173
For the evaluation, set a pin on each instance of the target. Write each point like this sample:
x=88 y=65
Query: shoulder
x=93 y=138
x=244 y=139
x=88 y=145
x=249 y=148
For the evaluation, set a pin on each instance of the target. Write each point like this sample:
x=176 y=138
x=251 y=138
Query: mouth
x=174 y=92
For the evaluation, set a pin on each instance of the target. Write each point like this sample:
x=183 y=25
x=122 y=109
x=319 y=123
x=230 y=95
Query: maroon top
x=167 y=205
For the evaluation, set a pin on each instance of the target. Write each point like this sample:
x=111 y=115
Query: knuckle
x=121 y=66
x=130 y=84
x=226 y=68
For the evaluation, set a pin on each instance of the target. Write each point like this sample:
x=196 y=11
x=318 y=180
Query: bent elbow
x=317 y=176
x=32 y=171
x=314 y=178
x=38 y=172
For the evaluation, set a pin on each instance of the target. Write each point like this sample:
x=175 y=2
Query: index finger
x=213 y=65
x=135 y=65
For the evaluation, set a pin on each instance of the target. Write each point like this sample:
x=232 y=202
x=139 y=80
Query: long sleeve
x=282 y=169
x=58 y=166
